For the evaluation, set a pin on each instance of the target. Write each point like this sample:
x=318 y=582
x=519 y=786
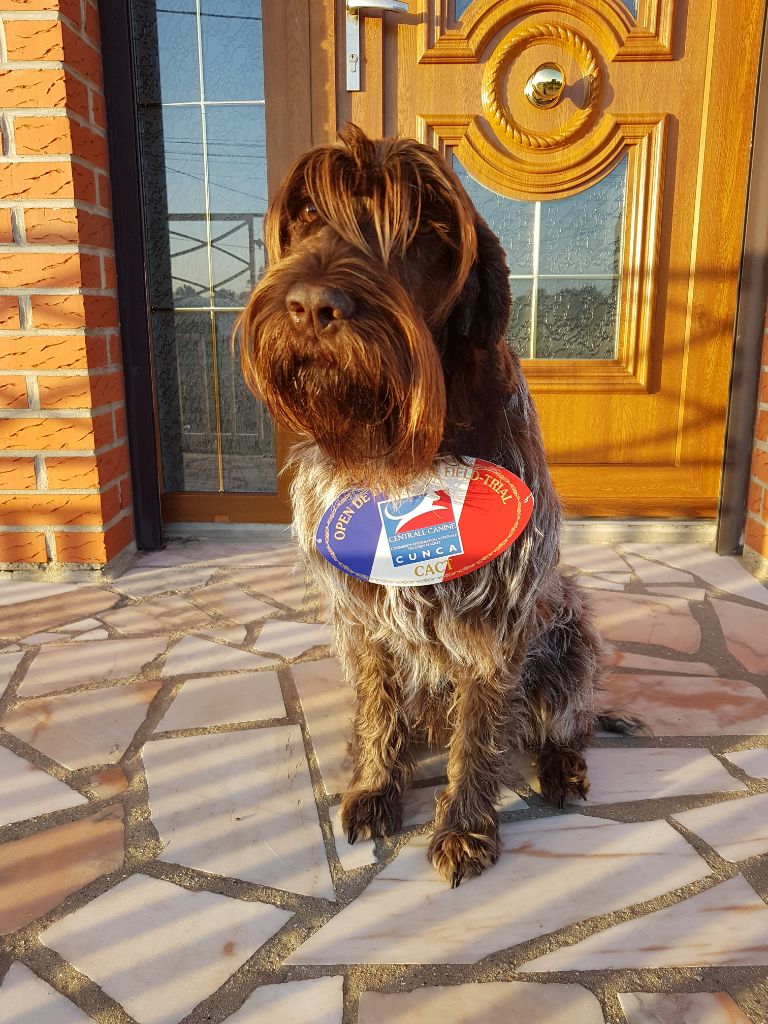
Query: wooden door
x=621 y=208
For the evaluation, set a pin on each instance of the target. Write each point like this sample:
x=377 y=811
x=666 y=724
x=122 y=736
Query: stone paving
x=173 y=747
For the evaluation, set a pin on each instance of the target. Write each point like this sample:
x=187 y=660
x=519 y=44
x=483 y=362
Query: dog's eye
x=307 y=212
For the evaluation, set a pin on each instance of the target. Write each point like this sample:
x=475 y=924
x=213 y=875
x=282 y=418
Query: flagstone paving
x=173 y=747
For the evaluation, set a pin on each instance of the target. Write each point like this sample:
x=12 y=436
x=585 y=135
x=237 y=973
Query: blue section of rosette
x=355 y=553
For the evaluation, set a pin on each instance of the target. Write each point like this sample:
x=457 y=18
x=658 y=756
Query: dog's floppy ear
x=480 y=315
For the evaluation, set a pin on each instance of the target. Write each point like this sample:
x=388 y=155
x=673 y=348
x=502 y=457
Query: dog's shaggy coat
x=378 y=334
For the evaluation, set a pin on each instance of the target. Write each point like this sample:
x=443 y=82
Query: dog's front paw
x=368 y=815
x=562 y=773
x=457 y=854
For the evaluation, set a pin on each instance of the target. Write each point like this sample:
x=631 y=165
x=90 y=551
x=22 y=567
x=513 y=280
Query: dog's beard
x=369 y=392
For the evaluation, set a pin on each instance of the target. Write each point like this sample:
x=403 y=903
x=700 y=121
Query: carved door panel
x=620 y=206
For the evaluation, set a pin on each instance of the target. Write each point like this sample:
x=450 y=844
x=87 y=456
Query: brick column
x=65 y=490
x=756 y=527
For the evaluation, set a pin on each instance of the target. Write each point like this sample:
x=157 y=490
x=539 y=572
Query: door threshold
x=639 y=531
x=575 y=531
x=258 y=531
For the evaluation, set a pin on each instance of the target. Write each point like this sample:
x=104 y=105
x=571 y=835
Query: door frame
x=749 y=330
x=293 y=31
x=308 y=34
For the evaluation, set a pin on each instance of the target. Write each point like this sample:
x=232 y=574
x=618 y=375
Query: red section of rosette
x=497 y=508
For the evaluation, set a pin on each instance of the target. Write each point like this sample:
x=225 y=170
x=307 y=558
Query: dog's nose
x=313 y=305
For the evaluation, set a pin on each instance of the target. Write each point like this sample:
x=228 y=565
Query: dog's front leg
x=466 y=836
x=383 y=765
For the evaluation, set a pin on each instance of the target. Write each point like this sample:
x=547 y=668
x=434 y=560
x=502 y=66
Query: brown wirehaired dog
x=378 y=334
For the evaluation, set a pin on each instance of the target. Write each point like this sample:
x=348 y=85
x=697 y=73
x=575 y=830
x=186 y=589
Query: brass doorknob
x=545 y=86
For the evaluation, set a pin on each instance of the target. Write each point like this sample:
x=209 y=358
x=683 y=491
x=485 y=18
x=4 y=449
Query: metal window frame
x=749 y=331
x=132 y=292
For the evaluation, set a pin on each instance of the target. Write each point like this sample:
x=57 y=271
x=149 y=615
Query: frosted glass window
x=564 y=259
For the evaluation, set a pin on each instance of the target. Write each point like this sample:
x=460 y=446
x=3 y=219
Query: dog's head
x=383 y=310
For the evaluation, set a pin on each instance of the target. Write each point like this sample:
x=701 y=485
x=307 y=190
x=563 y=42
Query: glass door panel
x=564 y=258
x=200 y=85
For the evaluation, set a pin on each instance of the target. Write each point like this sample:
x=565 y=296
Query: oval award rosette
x=455 y=521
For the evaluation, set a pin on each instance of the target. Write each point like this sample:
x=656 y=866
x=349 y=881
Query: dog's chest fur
x=432 y=634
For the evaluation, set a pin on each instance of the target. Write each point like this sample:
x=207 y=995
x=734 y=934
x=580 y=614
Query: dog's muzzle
x=315 y=308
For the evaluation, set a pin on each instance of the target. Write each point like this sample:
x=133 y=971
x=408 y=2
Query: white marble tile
x=746 y=634
x=239 y=804
x=593 y=558
x=419 y=804
x=360 y=854
x=149 y=582
x=230 y=601
x=80 y=729
x=722 y=926
x=292 y=639
x=222 y=550
x=737 y=829
x=139 y=939
x=8 y=662
x=166 y=614
x=39 y=871
x=319 y=1001
x=27 y=791
x=725 y=573
x=586 y=866
x=654 y=572
x=689 y=593
x=44 y=638
x=53 y=612
x=681 y=1008
x=286 y=586
x=598 y=583
x=430 y=762
x=626 y=659
x=754 y=762
x=61 y=667
x=328 y=704
x=221 y=700
x=27 y=999
x=94 y=634
x=650 y=773
x=661 y=621
x=191 y=655
x=689 y=705
x=20 y=591
x=228 y=634
x=81 y=626
x=493 y=1002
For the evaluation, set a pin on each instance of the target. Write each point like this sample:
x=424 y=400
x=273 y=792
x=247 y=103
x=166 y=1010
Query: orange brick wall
x=65 y=493
x=756 y=528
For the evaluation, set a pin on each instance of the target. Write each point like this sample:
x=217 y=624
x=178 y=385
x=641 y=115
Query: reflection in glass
x=184 y=381
x=247 y=432
x=565 y=259
x=202 y=116
x=233 y=64
x=177 y=51
x=237 y=198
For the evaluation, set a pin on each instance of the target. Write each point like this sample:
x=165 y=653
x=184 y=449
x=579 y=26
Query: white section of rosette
x=445 y=477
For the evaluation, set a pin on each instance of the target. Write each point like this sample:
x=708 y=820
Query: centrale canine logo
x=421 y=527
